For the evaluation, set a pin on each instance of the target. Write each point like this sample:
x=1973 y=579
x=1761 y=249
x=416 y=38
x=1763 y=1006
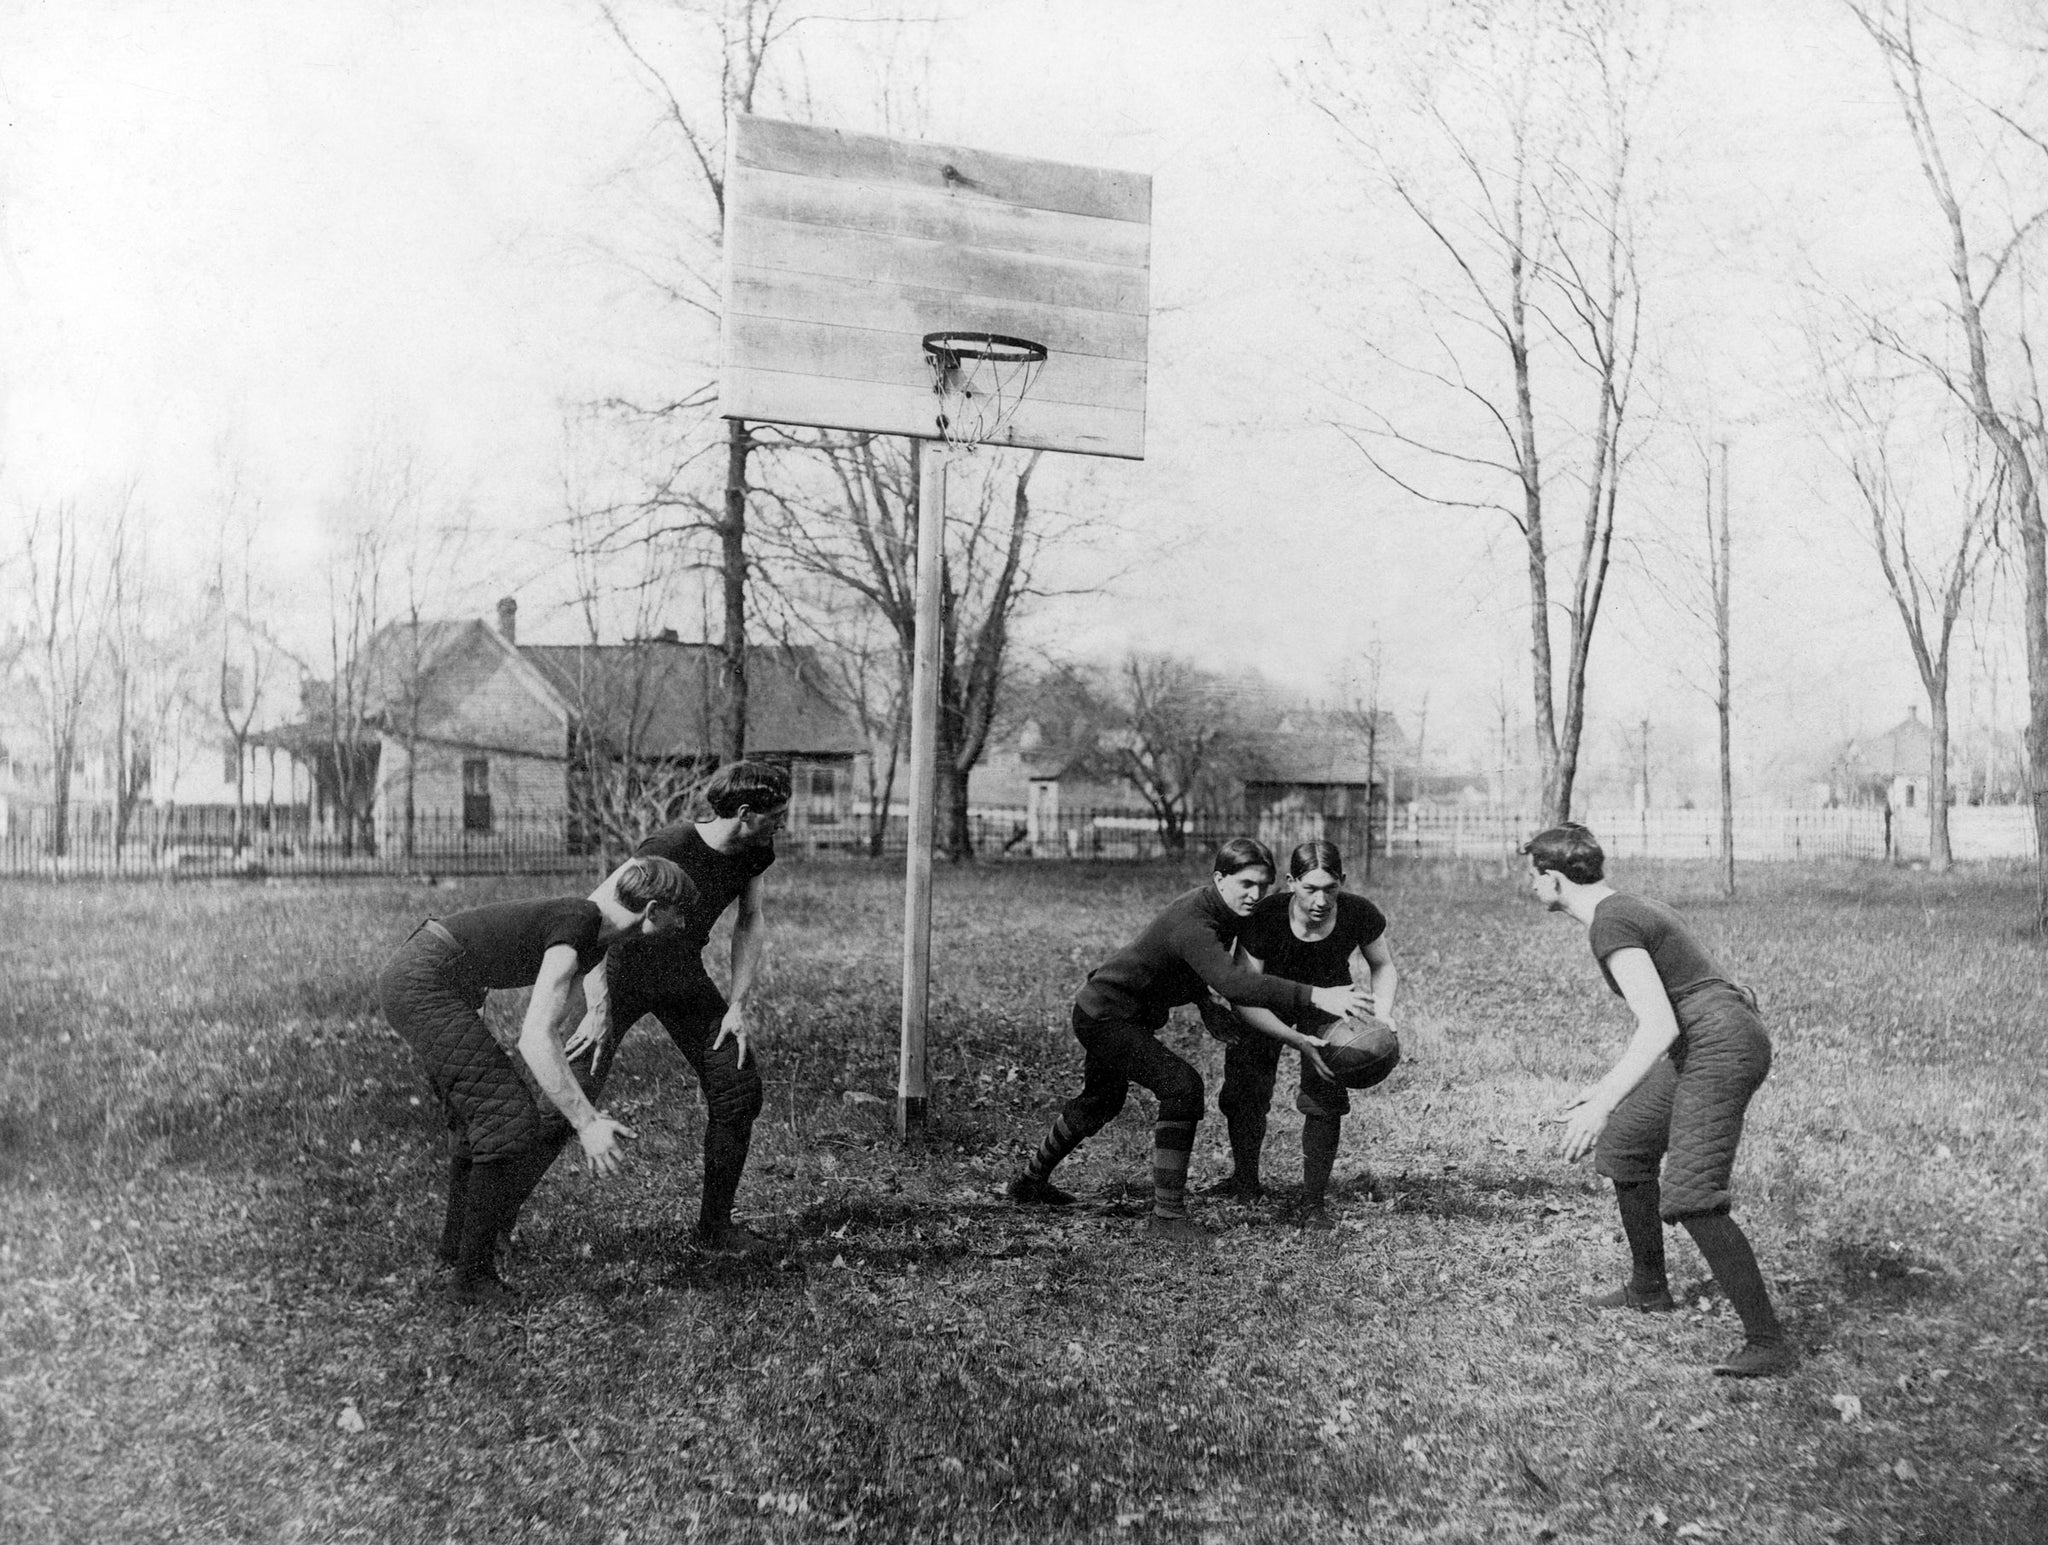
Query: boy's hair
x=1245 y=853
x=643 y=881
x=1311 y=856
x=1570 y=850
x=755 y=785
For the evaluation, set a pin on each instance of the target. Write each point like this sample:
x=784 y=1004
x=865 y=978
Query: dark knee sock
x=1319 y=1136
x=1247 y=1140
x=1061 y=1139
x=458 y=1197
x=725 y=1156
x=1172 y=1142
x=1734 y=1266
x=493 y=1200
x=1642 y=1223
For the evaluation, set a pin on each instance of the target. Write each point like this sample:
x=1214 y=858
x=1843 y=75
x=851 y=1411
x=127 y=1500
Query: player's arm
x=596 y=988
x=1214 y=962
x=1378 y=961
x=1266 y=1022
x=597 y=1012
x=749 y=940
x=1656 y=1028
x=597 y=1132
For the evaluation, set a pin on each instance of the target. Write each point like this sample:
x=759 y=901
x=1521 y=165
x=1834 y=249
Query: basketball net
x=979 y=379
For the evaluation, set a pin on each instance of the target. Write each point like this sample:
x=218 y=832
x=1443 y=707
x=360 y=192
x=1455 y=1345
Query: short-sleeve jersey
x=1623 y=922
x=506 y=941
x=1269 y=938
x=720 y=878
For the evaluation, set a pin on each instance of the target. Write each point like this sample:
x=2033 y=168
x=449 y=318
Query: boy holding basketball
x=1319 y=933
x=1184 y=954
x=1674 y=1101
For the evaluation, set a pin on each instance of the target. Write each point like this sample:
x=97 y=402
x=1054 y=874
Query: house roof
x=669 y=696
x=658 y=695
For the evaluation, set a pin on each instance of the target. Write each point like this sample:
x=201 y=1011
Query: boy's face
x=1243 y=890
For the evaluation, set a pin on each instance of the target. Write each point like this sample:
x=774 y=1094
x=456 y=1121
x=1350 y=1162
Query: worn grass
x=218 y=1189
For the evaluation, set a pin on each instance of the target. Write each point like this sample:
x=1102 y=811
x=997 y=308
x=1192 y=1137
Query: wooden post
x=912 y=1089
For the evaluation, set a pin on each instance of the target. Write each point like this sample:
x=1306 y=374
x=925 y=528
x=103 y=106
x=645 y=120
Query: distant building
x=1887 y=770
x=461 y=717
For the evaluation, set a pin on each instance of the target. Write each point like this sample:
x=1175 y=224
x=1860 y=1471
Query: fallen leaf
x=1851 y=1406
x=1701 y=1422
x=1904 y=1470
x=350 y=1420
x=1657 y=1518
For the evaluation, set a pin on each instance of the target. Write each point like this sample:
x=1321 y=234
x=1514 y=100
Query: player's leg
x=1629 y=1153
x=733 y=1097
x=1251 y=1066
x=1178 y=1088
x=1323 y=1105
x=1727 y=1060
x=1105 y=1085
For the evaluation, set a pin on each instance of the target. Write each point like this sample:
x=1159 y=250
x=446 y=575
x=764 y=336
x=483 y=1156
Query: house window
x=476 y=794
x=1911 y=792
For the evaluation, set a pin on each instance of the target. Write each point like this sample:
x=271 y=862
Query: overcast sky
x=278 y=234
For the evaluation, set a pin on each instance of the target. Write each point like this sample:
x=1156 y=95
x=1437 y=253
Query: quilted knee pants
x=1687 y=1113
x=431 y=999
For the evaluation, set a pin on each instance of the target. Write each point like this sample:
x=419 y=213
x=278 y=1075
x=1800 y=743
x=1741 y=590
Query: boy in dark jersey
x=724 y=856
x=507 y=1114
x=1675 y=1098
x=1181 y=956
x=1312 y=933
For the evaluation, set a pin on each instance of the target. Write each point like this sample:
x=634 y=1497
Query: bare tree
x=65 y=647
x=745 y=37
x=247 y=660
x=1534 y=338
x=1176 y=737
x=2008 y=412
x=864 y=541
x=1928 y=589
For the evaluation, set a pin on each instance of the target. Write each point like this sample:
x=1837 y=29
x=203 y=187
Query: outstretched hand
x=1341 y=1002
x=586 y=1038
x=601 y=1152
x=1585 y=1118
x=735 y=1025
x=1311 y=1046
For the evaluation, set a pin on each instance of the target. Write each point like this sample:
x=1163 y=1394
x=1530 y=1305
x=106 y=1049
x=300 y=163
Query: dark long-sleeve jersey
x=1183 y=953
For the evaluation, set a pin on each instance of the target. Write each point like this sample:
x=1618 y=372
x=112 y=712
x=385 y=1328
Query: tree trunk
x=732 y=542
x=1940 y=856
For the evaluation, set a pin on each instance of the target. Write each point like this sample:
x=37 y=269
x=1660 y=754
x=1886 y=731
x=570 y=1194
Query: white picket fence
x=1976 y=832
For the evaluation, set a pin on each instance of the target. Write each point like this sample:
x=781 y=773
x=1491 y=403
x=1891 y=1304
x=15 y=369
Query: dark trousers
x=1120 y=1054
x=431 y=999
x=678 y=993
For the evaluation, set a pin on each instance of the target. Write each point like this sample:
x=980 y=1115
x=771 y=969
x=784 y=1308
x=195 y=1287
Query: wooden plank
x=897 y=359
x=783 y=397
x=870 y=259
x=928 y=214
x=769 y=144
x=909 y=312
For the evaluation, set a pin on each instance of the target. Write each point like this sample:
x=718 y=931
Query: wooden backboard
x=843 y=250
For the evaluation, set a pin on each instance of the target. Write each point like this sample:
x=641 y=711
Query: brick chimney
x=508 y=619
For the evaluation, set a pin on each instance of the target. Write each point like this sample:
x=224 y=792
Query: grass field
x=219 y=1189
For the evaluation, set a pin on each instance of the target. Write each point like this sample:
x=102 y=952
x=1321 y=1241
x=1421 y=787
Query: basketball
x=1361 y=1052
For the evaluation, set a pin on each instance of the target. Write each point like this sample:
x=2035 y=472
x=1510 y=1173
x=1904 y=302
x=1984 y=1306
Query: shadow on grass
x=1885 y=1276
x=1478 y=1197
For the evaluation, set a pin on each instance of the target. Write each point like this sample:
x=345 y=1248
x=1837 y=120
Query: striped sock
x=1061 y=1139
x=1172 y=1141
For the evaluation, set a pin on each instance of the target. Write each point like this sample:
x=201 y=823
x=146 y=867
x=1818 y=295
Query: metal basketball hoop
x=979 y=379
